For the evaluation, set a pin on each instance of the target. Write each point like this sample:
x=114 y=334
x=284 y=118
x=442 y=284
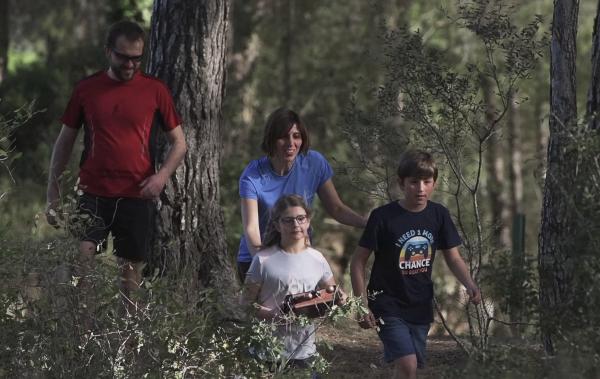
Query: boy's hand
x=342 y=297
x=368 y=321
x=474 y=294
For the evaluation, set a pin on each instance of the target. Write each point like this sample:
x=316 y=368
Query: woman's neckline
x=282 y=172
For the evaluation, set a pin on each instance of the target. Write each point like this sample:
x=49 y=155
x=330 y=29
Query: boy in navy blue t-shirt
x=405 y=235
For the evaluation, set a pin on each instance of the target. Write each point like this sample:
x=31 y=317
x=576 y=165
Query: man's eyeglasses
x=301 y=219
x=125 y=57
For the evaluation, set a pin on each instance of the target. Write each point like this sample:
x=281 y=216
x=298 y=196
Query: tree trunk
x=495 y=174
x=593 y=100
x=516 y=210
x=541 y=142
x=187 y=51
x=4 y=37
x=555 y=265
x=516 y=157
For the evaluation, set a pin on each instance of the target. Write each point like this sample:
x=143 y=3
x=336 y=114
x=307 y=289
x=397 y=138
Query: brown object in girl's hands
x=312 y=304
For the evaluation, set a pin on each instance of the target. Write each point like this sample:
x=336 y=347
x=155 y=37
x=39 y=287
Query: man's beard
x=122 y=73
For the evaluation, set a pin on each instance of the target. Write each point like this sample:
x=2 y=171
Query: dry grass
x=358 y=353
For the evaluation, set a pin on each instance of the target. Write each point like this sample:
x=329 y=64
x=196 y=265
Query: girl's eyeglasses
x=301 y=219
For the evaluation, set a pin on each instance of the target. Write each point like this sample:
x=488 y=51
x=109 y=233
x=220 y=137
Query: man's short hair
x=417 y=164
x=131 y=30
x=278 y=125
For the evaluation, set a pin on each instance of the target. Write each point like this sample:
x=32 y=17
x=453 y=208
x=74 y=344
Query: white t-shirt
x=279 y=274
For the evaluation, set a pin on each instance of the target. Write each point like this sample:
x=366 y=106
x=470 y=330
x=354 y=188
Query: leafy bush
x=8 y=126
x=433 y=99
x=50 y=331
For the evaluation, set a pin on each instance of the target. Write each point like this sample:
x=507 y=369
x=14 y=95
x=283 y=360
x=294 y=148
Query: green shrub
x=49 y=331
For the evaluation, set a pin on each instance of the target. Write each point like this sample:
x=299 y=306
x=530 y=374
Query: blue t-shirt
x=259 y=182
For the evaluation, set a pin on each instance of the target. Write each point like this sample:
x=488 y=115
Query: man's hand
x=152 y=186
x=367 y=321
x=52 y=216
x=53 y=211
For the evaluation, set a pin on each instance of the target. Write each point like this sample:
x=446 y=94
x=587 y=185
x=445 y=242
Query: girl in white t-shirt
x=287 y=265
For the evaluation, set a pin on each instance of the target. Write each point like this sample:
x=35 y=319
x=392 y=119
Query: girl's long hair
x=272 y=235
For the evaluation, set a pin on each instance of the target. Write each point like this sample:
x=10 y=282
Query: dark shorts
x=401 y=338
x=242 y=269
x=131 y=222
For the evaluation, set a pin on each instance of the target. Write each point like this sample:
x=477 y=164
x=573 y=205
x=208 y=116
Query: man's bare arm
x=152 y=186
x=61 y=153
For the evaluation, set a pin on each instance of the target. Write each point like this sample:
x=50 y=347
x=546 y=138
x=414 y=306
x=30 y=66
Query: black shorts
x=130 y=220
x=243 y=268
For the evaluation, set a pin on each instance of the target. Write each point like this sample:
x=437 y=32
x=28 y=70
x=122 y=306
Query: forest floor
x=358 y=353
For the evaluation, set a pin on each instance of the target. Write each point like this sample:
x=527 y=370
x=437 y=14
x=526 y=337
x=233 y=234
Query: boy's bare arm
x=461 y=272
x=357 y=274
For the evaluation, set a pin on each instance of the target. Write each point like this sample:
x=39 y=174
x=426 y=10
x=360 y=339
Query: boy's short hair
x=131 y=30
x=278 y=125
x=417 y=164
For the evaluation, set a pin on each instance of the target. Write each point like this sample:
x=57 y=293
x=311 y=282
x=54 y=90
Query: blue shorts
x=401 y=338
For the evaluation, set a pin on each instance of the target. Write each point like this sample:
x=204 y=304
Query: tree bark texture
x=188 y=41
x=516 y=157
x=593 y=100
x=4 y=38
x=555 y=260
x=541 y=142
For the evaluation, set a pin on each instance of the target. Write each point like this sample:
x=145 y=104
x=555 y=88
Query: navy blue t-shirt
x=405 y=243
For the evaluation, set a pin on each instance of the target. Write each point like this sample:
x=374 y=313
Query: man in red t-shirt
x=117 y=180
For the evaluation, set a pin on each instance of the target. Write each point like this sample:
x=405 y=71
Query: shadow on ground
x=358 y=353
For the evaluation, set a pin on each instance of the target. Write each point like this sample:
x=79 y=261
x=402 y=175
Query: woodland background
x=473 y=82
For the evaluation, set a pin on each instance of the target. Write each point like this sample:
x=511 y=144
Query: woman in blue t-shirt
x=288 y=167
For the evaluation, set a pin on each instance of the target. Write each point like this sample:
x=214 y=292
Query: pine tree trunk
x=188 y=49
x=593 y=100
x=555 y=265
x=541 y=142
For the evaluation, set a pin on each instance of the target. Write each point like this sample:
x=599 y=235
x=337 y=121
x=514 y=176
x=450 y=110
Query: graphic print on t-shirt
x=415 y=252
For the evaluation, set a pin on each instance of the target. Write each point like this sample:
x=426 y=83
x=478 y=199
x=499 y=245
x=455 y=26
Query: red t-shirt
x=117 y=118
